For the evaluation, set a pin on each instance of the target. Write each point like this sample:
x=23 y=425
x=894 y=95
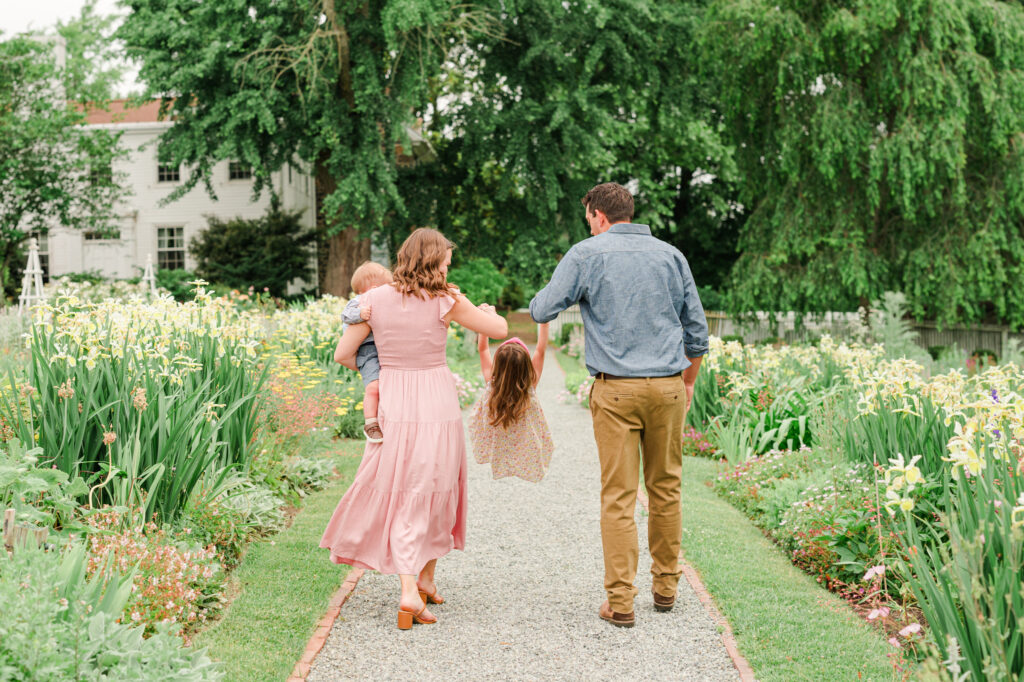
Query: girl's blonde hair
x=418 y=268
x=512 y=377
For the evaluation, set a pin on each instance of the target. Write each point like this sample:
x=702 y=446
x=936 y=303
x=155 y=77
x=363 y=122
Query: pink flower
x=911 y=629
x=878 y=613
x=895 y=642
x=873 y=571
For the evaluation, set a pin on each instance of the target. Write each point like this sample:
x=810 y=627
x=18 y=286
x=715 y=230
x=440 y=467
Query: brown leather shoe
x=622 y=620
x=662 y=603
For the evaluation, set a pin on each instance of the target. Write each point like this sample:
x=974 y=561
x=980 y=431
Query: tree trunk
x=340 y=249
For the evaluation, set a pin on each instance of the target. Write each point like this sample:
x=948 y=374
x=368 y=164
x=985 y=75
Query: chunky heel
x=405 y=620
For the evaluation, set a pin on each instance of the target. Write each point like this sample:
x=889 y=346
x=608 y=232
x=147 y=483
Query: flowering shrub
x=172 y=584
x=577 y=388
x=696 y=444
x=59 y=625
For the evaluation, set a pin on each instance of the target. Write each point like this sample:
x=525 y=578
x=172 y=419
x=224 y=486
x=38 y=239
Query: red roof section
x=119 y=112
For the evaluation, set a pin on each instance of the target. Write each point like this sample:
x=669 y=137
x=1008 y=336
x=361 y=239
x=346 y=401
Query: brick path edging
x=323 y=629
x=742 y=667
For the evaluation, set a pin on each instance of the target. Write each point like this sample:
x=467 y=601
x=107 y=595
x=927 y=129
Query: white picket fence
x=791 y=329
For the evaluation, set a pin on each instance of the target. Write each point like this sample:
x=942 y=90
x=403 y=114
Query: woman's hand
x=345 y=353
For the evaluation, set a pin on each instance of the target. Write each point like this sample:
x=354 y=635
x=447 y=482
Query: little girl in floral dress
x=507 y=426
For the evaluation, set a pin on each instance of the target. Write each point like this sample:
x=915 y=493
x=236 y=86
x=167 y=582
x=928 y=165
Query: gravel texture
x=522 y=600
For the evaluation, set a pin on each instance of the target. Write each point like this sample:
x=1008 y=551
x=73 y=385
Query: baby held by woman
x=367 y=276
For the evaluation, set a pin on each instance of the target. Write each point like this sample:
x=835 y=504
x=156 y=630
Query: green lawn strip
x=569 y=365
x=283 y=587
x=786 y=625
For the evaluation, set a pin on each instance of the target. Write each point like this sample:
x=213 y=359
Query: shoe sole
x=374 y=440
x=618 y=623
x=663 y=608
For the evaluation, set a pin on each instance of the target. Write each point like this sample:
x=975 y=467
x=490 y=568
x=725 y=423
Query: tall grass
x=139 y=399
x=966 y=573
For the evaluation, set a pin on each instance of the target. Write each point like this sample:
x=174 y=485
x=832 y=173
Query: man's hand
x=689 y=395
x=364 y=311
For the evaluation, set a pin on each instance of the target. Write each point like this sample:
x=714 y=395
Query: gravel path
x=521 y=601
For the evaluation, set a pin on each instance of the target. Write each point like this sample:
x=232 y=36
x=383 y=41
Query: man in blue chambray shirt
x=645 y=334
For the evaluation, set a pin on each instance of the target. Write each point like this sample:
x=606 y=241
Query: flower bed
x=901 y=492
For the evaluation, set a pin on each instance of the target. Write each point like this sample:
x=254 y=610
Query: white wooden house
x=148 y=228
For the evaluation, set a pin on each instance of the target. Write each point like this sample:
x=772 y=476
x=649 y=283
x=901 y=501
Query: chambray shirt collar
x=630 y=228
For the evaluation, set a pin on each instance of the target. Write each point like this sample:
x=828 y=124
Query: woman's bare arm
x=472 y=318
x=345 y=353
x=541 y=350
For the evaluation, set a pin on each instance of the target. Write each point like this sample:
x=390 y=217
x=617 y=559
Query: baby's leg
x=371 y=399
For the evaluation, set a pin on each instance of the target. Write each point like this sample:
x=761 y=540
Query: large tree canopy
x=570 y=94
x=528 y=103
x=272 y=82
x=881 y=145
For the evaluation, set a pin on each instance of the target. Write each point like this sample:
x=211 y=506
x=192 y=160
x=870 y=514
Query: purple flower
x=996 y=433
x=995 y=396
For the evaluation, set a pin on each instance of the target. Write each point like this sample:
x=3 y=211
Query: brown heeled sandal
x=431 y=598
x=407 y=618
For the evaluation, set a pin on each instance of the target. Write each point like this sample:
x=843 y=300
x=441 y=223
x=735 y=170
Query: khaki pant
x=636 y=418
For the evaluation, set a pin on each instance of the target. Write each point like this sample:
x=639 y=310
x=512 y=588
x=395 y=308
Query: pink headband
x=515 y=339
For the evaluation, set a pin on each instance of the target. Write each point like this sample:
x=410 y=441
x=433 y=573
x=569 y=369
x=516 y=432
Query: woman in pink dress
x=407 y=504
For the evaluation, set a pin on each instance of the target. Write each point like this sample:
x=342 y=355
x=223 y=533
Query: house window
x=43 y=240
x=101 y=174
x=170 y=248
x=166 y=172
x=238 y=170
x=101 y=234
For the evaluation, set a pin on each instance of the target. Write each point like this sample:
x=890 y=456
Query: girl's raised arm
x=484 y=348
x=541 y=350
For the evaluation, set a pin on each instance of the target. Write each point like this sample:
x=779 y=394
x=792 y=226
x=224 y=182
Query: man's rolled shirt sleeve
x=695 y=324
x=564 y=289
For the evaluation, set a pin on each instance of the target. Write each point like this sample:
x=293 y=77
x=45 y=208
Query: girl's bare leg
x=410 y=600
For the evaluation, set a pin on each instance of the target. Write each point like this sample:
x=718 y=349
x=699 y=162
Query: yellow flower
x=340 y=411
x=906 y=504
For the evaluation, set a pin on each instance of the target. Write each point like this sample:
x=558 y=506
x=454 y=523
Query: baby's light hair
x=370 y=275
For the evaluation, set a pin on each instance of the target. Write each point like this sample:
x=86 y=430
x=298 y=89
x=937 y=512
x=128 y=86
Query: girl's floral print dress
x=523 y=449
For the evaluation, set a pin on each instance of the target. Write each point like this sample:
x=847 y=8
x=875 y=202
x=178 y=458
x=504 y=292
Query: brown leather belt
x=606 y=376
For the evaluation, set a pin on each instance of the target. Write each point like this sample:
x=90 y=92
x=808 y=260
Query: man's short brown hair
x=612 y=199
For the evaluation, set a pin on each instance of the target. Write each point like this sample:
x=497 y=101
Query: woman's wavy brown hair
x=512 y=377
x=418 y=268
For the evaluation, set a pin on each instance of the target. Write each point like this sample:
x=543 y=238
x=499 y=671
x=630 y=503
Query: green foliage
x=886 y=432
x=38 y=494
x=46 y=157
x=169 y=433
x=266 y=252
x=879 y=149
x=479 y=280
x=968 y=583
x=58 y=625
x=178 y=283
x=891 y=328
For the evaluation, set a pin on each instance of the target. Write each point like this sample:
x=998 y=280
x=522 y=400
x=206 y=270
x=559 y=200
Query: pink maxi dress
x=407 y=504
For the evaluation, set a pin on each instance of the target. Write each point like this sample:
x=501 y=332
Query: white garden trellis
x=32 y=281
x=149 y=275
